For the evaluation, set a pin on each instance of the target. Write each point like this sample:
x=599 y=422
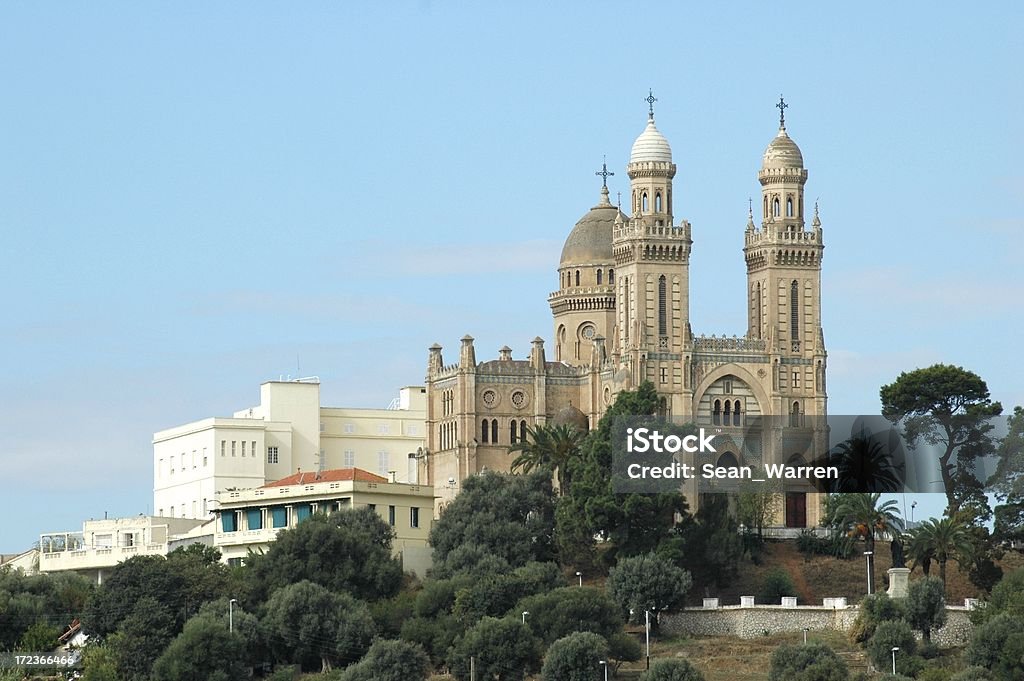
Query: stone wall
x=752 y=621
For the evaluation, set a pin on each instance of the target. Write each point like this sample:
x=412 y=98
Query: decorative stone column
x=899 y=578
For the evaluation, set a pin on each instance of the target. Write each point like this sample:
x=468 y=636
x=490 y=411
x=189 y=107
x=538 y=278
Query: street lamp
x=231 y=614
x=525 y=613
x=894 y=649
x=580 y=575
x=867 y=556
x=913 y=505
x=604 y=664
x=805 y=635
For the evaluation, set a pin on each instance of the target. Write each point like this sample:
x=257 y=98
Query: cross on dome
x=650 y=99
x=603 y=173
x=782 y=106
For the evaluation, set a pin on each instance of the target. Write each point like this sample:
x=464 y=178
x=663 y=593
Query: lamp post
x=580 y=576
x=894 y=649
x=604 y=664
x=867 y=556
x=647 y=628
x=805 y=635
x=525 y=613
x=231 y=615
x=913 y=505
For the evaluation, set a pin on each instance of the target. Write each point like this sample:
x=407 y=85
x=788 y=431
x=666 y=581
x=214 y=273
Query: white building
x=286 y=432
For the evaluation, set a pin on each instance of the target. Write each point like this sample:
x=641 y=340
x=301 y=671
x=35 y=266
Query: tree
x=757 y=503
x=246 y=626
x=346 y=551
x=1007 y=597
x=947 y=406
x=307 y=622
x=998 y=645
x=942 y=540
x=503 y=649
x=1008 y=480
x=576 y=657
x=874 y=610
x=866 y=466
x=141 y=637
x=98 y=663
x=647 y=582
x=548 y=447
x=925 y=606
x=894 y=633
x=39 y=636
x=672 y=670
x=496 y=595
x=390 y=661
x=973 y=674
x=777 y=583
x=505 y=517
x=811 y=662
x=205 y=649
x=862 y=516
x=707 y=544
x=560 y=612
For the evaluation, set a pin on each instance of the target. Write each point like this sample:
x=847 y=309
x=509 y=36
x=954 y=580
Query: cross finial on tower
x=782 y=106
x=619 y=194
x=650 y=99
x=750 y=206
x=603 y=173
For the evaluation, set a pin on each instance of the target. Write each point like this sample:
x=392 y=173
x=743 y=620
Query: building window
x=384 y=429
x=757 y=307
x=160 y=469
x=736 y=413
x=206 y=507
x=485 y=431
x=657 y=202
x=414 y=517
x=611 y=276
x=494 y=431
x=789 y=207
x=716 y=413
x=243 y=447
x=664 y=375
x=205 y=459
x=775 y=207
x=350 y=428
x=728 y=413
x=322 y=427
x=522 y=431
x=794 y=415
x=382 y=462
x=349 y=458
x=512 y=432
x=223 y=443
x=796 y=379
x=233 y=442
x=272 y=456
x=662 y=306
x=599 y=273
x=727 y=387
x=391 y=516
x=577 y=277
x=643 y=202
x=794 y=315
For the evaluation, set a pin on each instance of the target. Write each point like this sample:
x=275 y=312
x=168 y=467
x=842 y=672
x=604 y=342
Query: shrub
x=973 y=674
x=777 y=583
x=874 y=610
x=886 y=636
x=925 y=605
x=672 y=670
x=998 y=645
x=575 y=657
x=811 y=662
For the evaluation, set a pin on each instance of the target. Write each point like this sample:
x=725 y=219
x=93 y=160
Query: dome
x=571 y=416
x=782 y=152
x=651 y=145
x=590 y=241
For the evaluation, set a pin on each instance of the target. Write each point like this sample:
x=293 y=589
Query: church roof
x=334 y=475
x=590 y=241
x=651 y=145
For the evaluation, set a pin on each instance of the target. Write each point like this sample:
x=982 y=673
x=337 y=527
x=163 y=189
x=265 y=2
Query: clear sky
x=198 y=197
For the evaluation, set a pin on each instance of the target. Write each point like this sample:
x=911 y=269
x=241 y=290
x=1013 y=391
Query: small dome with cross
x=590 y=242
x=782 y=152
x=651 y=145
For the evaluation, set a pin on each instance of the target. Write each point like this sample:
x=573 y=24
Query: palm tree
x=548 y=446
x=942 y=540
x=861 y=516
x=920 y=547
x=866 y=466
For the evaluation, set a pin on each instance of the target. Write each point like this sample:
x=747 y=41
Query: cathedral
x=621 y=316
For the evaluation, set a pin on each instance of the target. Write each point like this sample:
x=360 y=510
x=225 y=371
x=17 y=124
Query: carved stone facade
x=621 y=317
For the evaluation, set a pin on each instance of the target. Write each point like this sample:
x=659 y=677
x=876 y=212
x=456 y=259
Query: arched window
x=794 y=315
x=757 y=309
x=657 y=202
x=485 y=430
x=522 y=431
x=634 y=200
x=789 y=207
x=794 y=415
x=728 y=460
x=801 y=206
x=728 y=413
x=643 y=202
x=494 y=431
x=716 y=413
x=736 y=420
x=599 y=273
x=577 y=277
x=775 y=207
x=455 y=434
x=512 y=432
x=611 y=276
x=662 y=306
x=765 y=213
x=625 y=308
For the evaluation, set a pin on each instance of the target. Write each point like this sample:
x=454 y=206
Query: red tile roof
x=335 y=475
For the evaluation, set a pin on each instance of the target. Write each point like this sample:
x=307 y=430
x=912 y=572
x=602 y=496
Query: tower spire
x=782 y=106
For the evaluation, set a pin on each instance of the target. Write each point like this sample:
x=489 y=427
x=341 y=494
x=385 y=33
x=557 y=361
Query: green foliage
x=390 y=661
x=865 y=516
x=574 y=537
x=247 y=629
x=947 y=406
x=39 y=636
x=503 y=648
x=1007 y=598
x=865 y=465
x=811 y=662
x=575 y=658
x=26 y=600
x=308 y=623
x=560 y=612
x=549 y=447
x=672 y=670
x=495 y=595
x=98 y=663
x=777 y=583
x=973 y=674
x=646 y=582
x=942 y=540
x=438 y=595
x=1008 y=480
x=141 y=637
x=346 y=551
x=837 y=544
x=507 y=517
x=708 y=544
x=389 y=615
x=934 y=674
x=887 y=635
x=205 y=649
x=998 y=645
x=624 y=647
x=925 y=606
x=436 y=635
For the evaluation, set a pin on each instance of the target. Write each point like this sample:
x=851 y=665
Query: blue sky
x=195 y=198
